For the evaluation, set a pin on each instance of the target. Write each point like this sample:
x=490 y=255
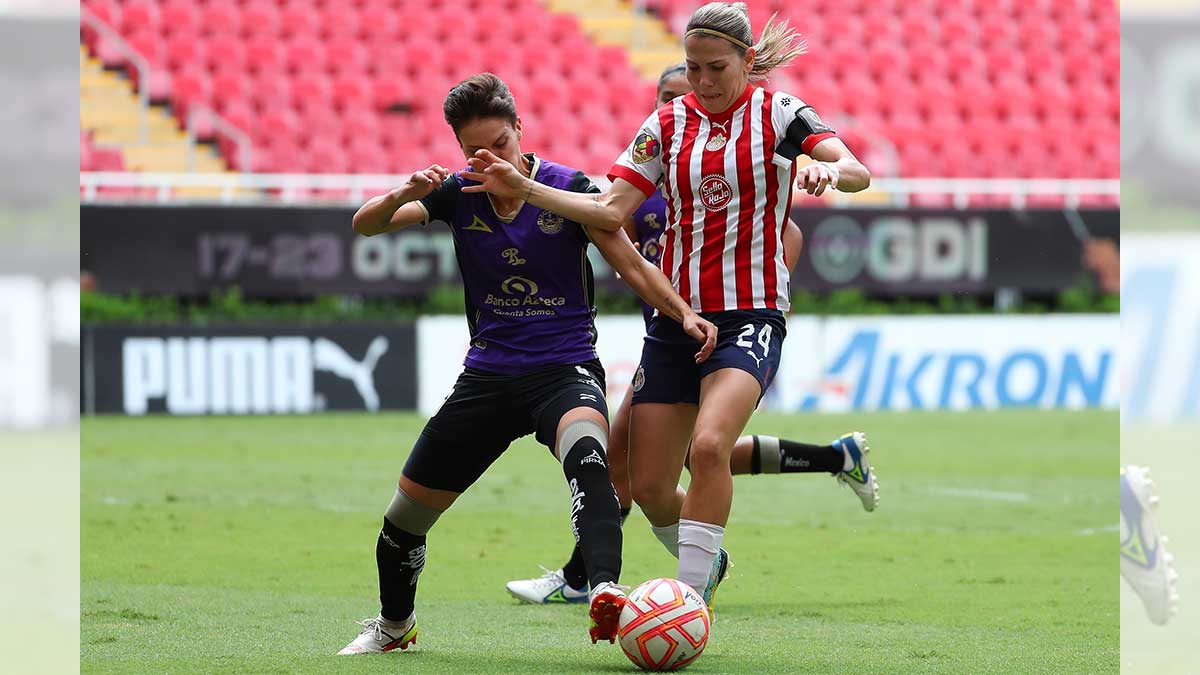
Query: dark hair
x=674 y=69
x=482 y=95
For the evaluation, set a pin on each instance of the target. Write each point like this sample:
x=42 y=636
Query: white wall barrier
x=857 y=364
x=1160 y=327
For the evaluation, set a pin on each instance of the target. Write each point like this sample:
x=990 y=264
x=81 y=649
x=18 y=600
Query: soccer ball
x=664 y=625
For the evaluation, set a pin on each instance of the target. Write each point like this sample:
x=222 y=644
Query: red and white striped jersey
x=728 y=195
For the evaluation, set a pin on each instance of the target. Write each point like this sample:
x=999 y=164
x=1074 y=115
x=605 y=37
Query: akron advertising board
x=858 y=364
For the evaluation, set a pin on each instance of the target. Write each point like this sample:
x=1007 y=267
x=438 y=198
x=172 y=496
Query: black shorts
x=486 y=412
x=749 y=340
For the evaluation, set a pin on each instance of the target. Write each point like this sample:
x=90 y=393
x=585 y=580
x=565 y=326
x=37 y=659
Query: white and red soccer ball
x=664 y=625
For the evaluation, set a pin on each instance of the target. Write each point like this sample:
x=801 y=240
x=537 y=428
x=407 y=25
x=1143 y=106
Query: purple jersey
x=649 y=219
x=527 y=280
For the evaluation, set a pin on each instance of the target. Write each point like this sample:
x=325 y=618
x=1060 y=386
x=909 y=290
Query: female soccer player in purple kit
x=751 y=454
x=532 y=364
x=725 y=157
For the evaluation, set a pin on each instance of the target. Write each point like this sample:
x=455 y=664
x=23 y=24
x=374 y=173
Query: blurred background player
x=751 y=454
x=725 y=155
x=1145 y=563
x=532 y=366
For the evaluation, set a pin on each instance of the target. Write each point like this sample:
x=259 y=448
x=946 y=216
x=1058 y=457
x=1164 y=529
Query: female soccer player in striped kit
x=531 y=367
x=751 y=454
x=725 y=156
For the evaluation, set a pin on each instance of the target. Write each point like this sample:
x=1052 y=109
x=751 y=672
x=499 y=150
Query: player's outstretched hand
x=817 y=176
x=702 y=330
x=421 y=183
x=495 y=176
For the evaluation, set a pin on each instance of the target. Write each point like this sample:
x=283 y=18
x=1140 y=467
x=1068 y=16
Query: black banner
x=929 y=252
x=249 y=369
x=302 y=252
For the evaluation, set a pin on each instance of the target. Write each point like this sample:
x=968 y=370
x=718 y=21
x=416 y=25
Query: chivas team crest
x=718 y=138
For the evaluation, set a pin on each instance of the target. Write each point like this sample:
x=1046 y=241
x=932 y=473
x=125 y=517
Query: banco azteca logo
x=515 y=285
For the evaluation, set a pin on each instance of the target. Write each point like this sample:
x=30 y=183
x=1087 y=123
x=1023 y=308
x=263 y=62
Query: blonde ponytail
x=777 y=46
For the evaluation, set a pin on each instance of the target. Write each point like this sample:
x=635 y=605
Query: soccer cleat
x=380 y=636
x=860 y=477
x=608 y=599
x=1145 y=563
x=548 y=588
x=720 y=571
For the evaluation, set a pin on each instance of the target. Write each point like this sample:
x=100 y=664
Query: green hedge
x=230 y=307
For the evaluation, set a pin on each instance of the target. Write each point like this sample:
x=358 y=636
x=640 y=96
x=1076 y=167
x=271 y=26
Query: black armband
x=807 y=125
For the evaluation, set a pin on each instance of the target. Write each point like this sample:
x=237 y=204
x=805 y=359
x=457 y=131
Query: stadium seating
x=964 y=88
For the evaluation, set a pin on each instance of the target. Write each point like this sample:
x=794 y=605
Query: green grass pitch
x=246 y=545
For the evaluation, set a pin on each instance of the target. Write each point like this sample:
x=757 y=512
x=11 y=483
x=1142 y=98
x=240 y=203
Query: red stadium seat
x=339 y=23
x=139 y=15
x=312 y=90
x=352 y=92
x=366 y=158
x=305 y=54
x=150 y=45
x=361 y=124
x=346 y=56
x=325 y=156
x=179 y=17
x=186 y=54
x=227 y=52
x=190 y=87
x=221 y=17
x=272 y=91
x=280 y=124
x=265 y=55
x=261 y=17
x=298 y=19
x=231 y=86
x=239 y=113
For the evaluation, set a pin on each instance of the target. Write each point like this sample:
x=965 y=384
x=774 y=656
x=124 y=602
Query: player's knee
x=651 y=491
x=707 y=453
x=410 y=515
x=583 y=442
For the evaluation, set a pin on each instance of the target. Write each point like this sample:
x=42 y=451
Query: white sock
x=399 y=625
x=698 y=546
x=669 y=536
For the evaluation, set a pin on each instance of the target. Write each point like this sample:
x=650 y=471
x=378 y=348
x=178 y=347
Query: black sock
x=575 y=572
x=400 y=556
x=793 y=457
x=595 y=512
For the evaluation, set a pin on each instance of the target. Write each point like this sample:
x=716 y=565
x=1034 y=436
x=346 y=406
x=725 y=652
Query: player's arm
x=793 y=243
x=607 y=211
x=630 y=229
x=802 y=132
x=836 y=167
x=648 y=282
x=400 y=207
